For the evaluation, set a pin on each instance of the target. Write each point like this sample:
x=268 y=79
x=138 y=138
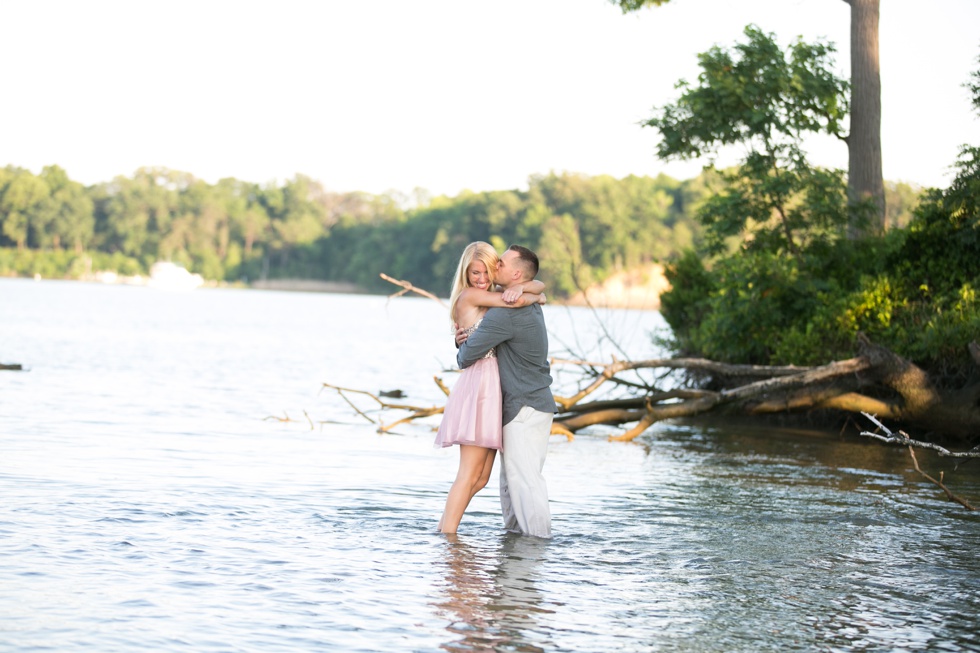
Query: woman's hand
x=511 y=295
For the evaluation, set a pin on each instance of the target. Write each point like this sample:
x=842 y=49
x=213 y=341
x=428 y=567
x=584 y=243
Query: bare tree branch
x=949 y=495
x=417 y=412
x=903 y=439
x=408 y=287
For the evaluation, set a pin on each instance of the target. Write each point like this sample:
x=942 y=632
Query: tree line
x=584 y=227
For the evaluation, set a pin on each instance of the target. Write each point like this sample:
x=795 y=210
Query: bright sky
x=443 y=95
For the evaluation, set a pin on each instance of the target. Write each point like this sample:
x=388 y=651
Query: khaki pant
x=523 y=491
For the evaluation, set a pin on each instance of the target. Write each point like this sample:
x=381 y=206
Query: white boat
x=170 y=276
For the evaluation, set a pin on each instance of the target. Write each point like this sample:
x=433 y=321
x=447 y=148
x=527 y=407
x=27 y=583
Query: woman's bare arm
x=489 y=299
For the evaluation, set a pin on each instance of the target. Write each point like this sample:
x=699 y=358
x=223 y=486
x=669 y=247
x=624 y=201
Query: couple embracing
x=502 y=400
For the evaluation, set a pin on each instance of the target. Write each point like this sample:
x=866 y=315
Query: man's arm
x=493 y=330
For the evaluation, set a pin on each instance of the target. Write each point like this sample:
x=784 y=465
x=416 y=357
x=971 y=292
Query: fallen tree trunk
x=954 y=413
x=877 y=381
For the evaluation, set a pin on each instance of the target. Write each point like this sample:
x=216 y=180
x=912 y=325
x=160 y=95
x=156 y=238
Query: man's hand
x=511 y=295
x=461 y=336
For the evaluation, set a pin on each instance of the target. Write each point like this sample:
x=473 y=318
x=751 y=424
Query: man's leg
x=506 y=504
x=523 y=491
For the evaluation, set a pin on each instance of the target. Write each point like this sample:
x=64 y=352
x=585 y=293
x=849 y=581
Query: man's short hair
x=529 y=260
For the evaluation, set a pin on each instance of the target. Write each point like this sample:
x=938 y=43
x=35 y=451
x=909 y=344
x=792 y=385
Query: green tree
x=619 y=223
x=561 y=249
x=296 y=216
x=772 y=220
x=137 y=213
x=68 y=211
x=865 y=182
x=248 y=219
x=755 y=96
x=21 y=197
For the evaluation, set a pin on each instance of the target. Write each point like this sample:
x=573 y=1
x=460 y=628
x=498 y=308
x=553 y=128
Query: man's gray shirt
x=521 y=340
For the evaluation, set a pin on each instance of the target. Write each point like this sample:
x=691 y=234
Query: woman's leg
x=475 y=465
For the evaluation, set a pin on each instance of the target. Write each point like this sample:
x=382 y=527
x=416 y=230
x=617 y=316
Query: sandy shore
x=638 y=289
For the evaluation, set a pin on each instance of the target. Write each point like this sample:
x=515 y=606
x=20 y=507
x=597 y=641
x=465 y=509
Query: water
x=173 y=478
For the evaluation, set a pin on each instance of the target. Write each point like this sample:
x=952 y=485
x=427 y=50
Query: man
x=528 y=406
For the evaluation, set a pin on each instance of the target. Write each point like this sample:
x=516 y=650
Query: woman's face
x=477 y=275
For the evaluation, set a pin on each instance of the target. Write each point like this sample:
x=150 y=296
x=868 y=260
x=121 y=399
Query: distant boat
x=170 y=276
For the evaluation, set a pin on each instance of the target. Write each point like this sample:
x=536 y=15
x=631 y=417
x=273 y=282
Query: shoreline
x=638 y=289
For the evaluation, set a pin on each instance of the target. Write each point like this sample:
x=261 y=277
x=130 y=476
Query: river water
x=173 y=477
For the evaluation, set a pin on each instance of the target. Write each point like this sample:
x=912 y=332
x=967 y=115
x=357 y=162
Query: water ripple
x=146 y=511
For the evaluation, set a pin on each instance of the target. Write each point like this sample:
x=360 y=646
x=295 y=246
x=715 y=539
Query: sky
x=441 y=95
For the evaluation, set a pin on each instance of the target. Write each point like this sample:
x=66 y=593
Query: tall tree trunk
x=864 y=177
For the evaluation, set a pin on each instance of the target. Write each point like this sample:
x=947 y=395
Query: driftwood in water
x=746 y=386
x=903 y=438
x=876 y=381
x=414 y=412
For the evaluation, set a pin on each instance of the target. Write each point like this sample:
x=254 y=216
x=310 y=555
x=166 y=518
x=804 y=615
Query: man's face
x=506 y=268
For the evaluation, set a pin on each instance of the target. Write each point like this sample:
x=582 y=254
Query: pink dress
x=474 y=413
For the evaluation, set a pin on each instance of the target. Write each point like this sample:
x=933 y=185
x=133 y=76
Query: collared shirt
x=521 y=340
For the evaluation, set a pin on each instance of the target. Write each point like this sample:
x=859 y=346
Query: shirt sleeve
x=493 y=330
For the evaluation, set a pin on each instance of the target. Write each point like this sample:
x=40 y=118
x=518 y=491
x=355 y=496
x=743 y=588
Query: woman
x=472 y=418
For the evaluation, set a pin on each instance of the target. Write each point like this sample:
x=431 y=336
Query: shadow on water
x=843 y=460
x=490 y=597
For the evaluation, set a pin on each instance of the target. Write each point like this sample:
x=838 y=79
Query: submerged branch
x=416 y=412
x=902 y=438
x=949 y=495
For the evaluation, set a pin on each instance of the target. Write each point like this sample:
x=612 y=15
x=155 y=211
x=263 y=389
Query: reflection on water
x=491 y=599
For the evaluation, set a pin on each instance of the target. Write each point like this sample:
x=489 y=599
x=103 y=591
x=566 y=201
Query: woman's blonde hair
x=478 y=251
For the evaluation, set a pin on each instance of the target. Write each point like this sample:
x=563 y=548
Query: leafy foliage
x=761 y=301
x=756 y=96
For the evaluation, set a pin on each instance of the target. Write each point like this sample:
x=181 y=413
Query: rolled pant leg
x=523 y=490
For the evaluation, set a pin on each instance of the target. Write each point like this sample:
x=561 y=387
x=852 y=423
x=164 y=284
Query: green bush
x=913 y=291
